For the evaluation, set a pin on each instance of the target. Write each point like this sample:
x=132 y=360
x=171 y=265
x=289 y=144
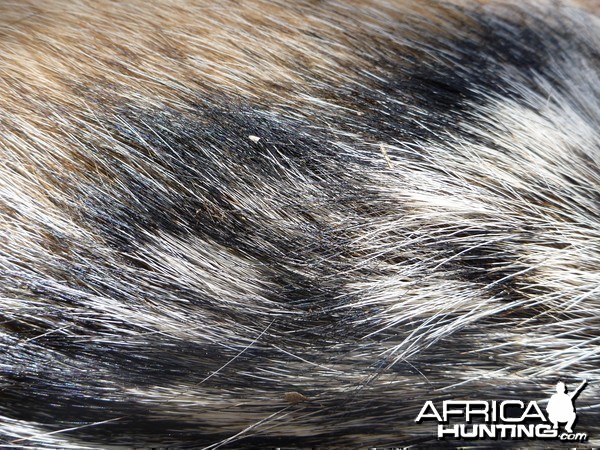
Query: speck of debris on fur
x=385 y=155
x=254 y=138
x=295 y=397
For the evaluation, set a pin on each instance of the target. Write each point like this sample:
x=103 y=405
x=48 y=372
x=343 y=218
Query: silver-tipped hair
x=272 y=224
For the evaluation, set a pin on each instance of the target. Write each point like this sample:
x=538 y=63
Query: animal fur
x=265 y=224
